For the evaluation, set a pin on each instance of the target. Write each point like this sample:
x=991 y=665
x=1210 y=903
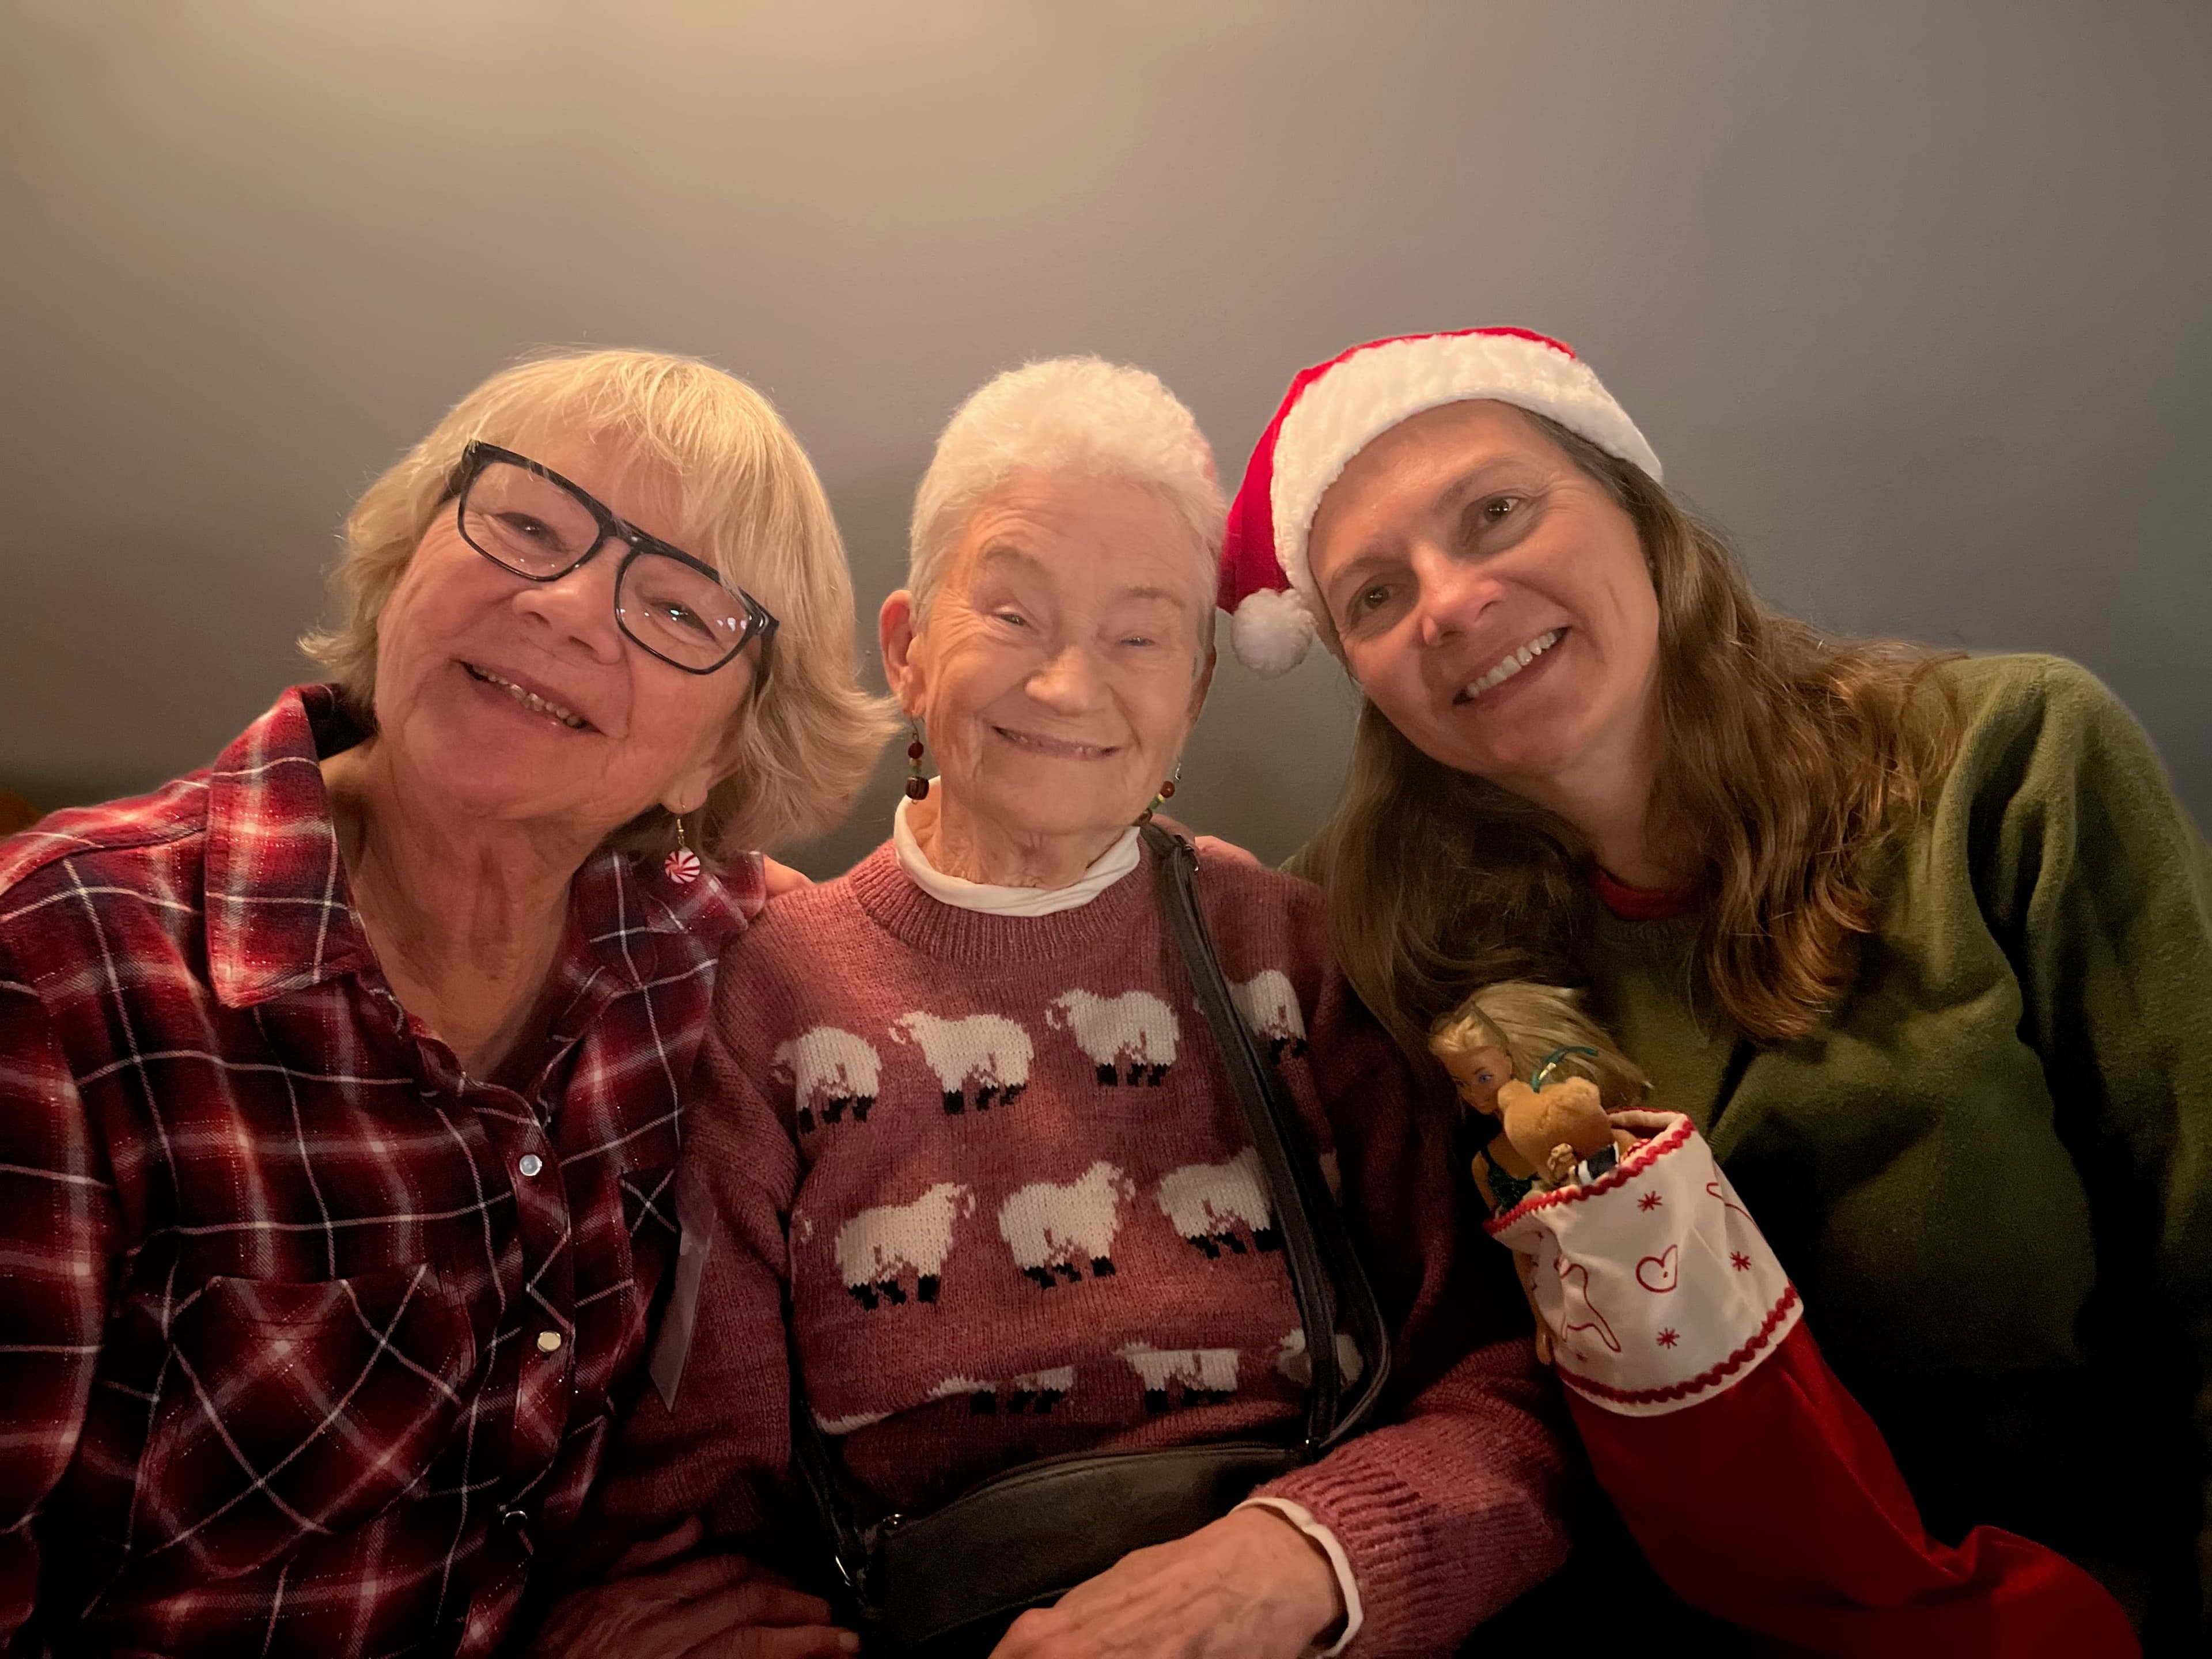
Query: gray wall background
x=1911 y=296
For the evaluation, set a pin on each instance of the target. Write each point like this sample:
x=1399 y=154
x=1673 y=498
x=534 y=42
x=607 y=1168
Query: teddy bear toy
x=1561 y=1131
x=1553 y=1127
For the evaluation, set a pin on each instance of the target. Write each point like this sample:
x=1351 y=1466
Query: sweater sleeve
x=1776 y=1506
x=1453 y=1508
x=723 y=1449
x=2099 y=886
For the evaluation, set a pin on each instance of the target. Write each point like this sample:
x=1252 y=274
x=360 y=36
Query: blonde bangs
x=750 y=505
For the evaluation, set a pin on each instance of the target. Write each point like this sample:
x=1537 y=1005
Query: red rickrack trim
x=1741 y=1358
x=1640 y=1159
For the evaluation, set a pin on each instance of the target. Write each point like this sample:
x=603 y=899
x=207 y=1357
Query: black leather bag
x=946 y=1584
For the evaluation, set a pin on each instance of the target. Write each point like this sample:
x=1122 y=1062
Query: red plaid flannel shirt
x=308 y=1342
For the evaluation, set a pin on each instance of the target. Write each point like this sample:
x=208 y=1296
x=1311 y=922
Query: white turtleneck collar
x=1108 y=867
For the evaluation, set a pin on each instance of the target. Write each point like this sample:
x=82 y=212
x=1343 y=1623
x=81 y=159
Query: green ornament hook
x=1553 y=1059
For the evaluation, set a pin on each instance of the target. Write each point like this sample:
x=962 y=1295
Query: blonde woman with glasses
x=341 y=1080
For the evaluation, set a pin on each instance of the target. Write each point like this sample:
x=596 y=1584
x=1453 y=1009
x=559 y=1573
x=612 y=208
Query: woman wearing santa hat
x=1921 y=944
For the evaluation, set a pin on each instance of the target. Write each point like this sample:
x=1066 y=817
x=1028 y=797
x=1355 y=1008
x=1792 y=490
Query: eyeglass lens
x=536 y=528
x=528 y=524
x=683 y=615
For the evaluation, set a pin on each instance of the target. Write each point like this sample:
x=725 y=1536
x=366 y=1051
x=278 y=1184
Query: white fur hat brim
x=1372 y=390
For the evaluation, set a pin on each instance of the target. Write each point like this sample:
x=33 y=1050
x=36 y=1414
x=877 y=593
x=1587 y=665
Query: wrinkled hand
x=1249 y=1586
x=782 y=878
x=720 y=1606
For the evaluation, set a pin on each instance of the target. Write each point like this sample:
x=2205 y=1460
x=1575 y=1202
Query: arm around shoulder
x=711 y=1434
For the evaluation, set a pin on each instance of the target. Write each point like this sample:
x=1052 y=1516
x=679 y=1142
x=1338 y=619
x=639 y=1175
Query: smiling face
x=1058 y=669
x=1492 y=599
x=522 y=702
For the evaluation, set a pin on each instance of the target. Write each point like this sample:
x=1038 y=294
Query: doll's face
x=1480 y=1076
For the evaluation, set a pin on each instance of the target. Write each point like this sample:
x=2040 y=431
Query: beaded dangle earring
x=682 y=864
x=1166 y=794
x=917 y=786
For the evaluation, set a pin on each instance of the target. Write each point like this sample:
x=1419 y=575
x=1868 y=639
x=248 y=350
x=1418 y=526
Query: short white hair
x=1082 y=417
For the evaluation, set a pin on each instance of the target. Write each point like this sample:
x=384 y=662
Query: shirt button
x=548 y=1341
x=530 y=1163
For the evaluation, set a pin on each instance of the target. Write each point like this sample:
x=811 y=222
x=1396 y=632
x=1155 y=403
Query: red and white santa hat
x=1333 y=410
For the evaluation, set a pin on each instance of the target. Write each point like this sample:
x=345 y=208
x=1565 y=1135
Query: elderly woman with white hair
x=340 y=1081
x=969 y=1113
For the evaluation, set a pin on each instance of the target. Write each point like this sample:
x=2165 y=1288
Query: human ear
x=1199 y=687
x=894 y=631
x=688 y=790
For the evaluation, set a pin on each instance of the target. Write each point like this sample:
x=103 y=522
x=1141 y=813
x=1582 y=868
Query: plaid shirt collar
x=280 y=916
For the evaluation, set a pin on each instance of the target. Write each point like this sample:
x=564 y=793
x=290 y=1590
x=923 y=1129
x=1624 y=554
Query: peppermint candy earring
x=682 y=864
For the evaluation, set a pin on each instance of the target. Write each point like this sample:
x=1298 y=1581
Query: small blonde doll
x=1527 y=1056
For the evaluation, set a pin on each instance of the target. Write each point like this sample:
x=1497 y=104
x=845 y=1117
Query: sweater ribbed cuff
x=1499 y=1537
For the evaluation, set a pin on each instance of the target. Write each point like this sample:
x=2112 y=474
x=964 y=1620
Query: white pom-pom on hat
x=1272 y=631
x=1333 y=410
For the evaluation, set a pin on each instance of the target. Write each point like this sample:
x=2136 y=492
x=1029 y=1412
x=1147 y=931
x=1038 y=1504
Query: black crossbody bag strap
x=1331 y=1283
x=818 y=1471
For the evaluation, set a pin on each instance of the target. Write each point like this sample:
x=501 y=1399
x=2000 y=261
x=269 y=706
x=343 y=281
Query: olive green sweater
x=1989 y=1169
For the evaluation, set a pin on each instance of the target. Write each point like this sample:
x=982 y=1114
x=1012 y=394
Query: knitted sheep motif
x=986 y=1049
x=830 y=1071
x=1270 y=1007
x=1134 y=1033
x=1055 y=1228
x=877 y=1248
x=1202 y=1376
x=1290 y=1358
x=1034 y=1393
x=1206 y=1203
x=836 y=1426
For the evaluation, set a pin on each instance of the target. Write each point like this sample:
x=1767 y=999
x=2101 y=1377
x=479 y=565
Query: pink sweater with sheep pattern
x=997 y=1167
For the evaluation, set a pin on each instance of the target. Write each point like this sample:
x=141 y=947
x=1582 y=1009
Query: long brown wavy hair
x=1788 y=758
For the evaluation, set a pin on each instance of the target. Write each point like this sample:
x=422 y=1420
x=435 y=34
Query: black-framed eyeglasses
x=529 y=520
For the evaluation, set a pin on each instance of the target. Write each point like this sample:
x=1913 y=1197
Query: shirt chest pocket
x=287 y=1410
